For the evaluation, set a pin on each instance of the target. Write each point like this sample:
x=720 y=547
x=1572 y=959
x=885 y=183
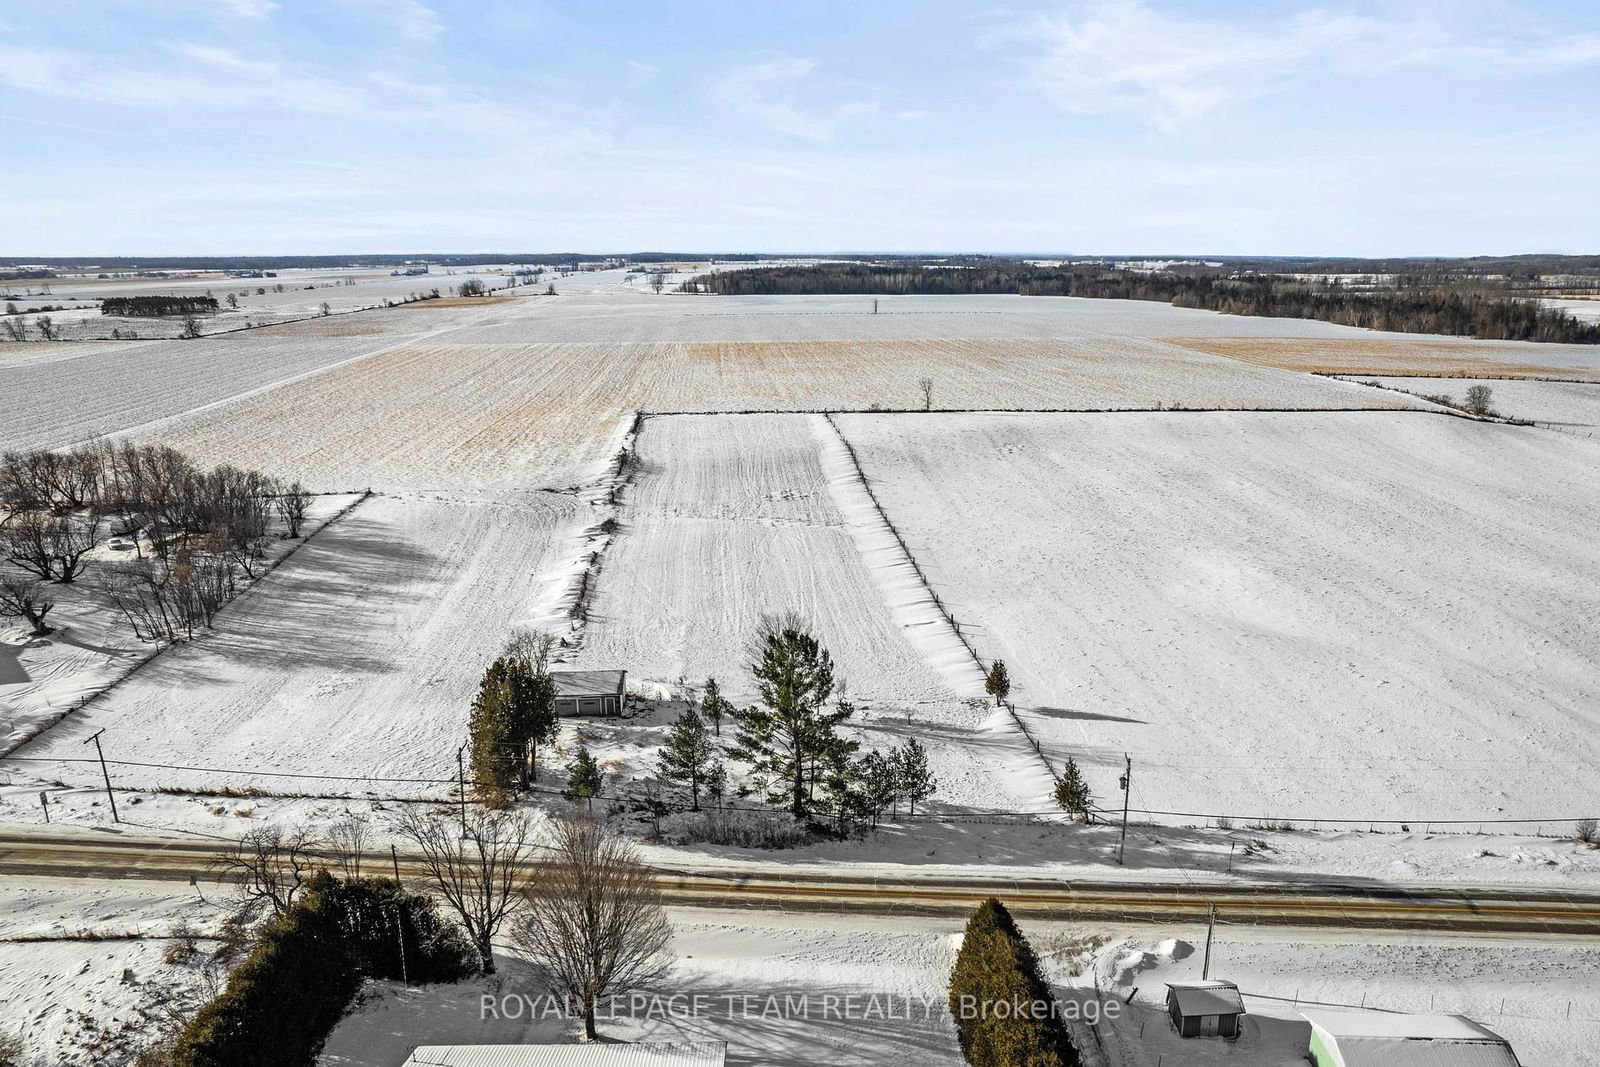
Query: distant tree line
x=152 y=306
x=1453 y=311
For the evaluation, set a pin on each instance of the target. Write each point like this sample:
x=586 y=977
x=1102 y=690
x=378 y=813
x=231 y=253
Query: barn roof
x=587 y=683
x=649 y=1054
x=1214 y=997
x=1394 y=1039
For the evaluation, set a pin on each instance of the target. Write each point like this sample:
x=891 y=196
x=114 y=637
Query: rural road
x=1324 y=904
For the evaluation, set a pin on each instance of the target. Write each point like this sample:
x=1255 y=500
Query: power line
x=978 y=813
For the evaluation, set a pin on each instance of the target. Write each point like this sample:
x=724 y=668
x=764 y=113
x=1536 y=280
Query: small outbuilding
x=1209 y=1008
x=1393 y=1039
x=589 y=692
x=592 y=1054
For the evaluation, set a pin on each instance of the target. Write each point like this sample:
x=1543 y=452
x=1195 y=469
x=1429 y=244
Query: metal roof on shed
x=587 y=683
x=1207 y=998
x=648 y=1054
x=1394 y=1039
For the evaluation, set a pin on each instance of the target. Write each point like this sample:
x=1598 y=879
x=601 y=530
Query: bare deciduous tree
x=926 y=385
x=50 y=546
x=292 y=504
x=23 y=597
x=16 y=329
x=347 y=841
x=1479 y=398
x=269 y=866
x=593 y=921
x=477 y=873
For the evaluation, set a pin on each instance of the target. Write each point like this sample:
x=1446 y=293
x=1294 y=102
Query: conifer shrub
x=1004 y=1012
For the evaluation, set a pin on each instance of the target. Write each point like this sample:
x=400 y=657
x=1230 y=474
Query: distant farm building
x=650 y=1054
x=1205 y=1009
x=589 y=692
x=1390 y=1039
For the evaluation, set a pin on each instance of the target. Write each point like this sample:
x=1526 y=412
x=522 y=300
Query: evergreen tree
x=717 y=782
x=583 y=778
x=1072 y=792
x=879 y=788
x=686 y=757
x=713 y=706
x=841 y=777
x=492 y=735
x=533 y=697
x=785 y=740
x=913 y=781
x=998 y=683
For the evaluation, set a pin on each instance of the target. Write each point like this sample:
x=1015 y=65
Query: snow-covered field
x=733 y=517
x=91 y=646
x=303 y=293
x=1300 y=616
x=1365 y=353
x=1570 y=406
x=359 y=656
x=1323 y=614
x=82 y=967
x=537 y=390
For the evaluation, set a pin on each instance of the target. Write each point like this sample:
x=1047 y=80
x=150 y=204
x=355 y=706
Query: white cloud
x=767 y=91
x=1171 y=69
x=411 y=19
x=246 y=9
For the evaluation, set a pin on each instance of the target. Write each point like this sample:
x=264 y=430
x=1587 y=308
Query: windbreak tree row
x=154 y=306
x=190 y=533
x=1458 y=310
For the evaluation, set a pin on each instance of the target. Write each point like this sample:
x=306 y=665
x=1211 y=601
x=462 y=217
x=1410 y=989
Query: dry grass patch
x=1379 y=356
x=459 y=302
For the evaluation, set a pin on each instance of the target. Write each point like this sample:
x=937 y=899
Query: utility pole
x=1127 y=784
x=95 y=737
x=1205 y=969
x=395 y=858
x=461 y=777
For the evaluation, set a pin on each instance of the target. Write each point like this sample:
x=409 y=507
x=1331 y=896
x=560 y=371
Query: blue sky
x=275 y=126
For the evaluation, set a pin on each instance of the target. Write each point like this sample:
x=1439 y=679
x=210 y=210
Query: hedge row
x=307 y=964
x=1004 y=1012
x=152 y=306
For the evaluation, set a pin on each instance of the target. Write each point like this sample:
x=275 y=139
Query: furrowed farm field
x=731 y=517
x=359 y=656
x=430 y=397
x=1299 y=616
x=1572 y=406
x=1367 y=353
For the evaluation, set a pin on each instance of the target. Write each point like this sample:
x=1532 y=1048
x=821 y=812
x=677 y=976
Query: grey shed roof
x=587 y=683
x=1215 y=997
x=653 y=1054
x=1393 y=1039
